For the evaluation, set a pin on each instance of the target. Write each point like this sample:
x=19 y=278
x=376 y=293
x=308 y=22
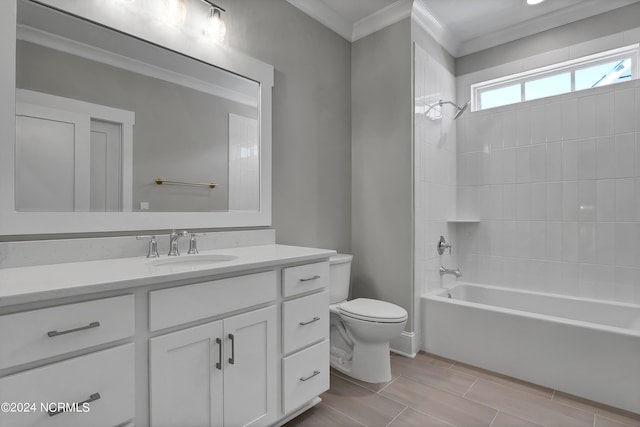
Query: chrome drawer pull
x=219 y=364
x=310 y=376
x=232 y=359
x=310 y=278
x=93 y=397
x=315 y=319
x=68 y=331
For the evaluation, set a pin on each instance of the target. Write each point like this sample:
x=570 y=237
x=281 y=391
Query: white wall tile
x=538 y=125
x=625 y=199
x=625 y=117
x=587 y=242
x=509 y=238
x=510 y=201
x=570 y=205
x=604 y=114
x=606 y=158
x=586 y=117
x=587 y=200
x=524 y=202
x=495 y=166
x=606 y=200
x=539 y=240
x=539 y=201
x=570 y=160
x=554 y=162
x=554 y=241
x=523 y=164
x=570 y=241
x=523 y=239
x=509 y=165
x=553 y=121
x=626 y=244
x=523 y=129
x=554 y=203
x=509 y=128
x=537 y=163
x=625 y=153
x=586 y=159
x=605 y=243
x=569 y=118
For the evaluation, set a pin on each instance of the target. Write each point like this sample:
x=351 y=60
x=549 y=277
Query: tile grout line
x=468 y=389
x=388 y=384
x=396 y=417
x=345 y=414
x=494 y=418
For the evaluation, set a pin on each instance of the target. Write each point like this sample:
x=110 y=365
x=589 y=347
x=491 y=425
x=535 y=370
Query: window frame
x=477 y=89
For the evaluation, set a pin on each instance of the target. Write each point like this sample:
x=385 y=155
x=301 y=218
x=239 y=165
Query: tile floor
x=431 y=391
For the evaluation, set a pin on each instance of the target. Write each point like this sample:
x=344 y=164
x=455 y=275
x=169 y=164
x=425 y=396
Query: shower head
x=460 y=109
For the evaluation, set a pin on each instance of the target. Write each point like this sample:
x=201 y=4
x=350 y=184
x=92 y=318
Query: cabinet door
x=185 y=383
x=250 y=368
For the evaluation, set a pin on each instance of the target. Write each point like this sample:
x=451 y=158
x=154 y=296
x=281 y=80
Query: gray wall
x=382 y=208
x=311 y=119
x=602 y=25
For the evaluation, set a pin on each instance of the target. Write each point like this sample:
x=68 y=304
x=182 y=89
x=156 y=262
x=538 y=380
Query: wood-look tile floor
x=431 y=391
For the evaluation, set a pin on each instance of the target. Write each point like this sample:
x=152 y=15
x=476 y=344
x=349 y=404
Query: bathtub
x=579 y=346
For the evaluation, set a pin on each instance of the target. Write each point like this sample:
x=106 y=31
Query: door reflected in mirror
x=96 y=125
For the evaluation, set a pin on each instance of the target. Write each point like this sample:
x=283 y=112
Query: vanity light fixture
x=532 y=2
x=216 y=28
x=174 y=12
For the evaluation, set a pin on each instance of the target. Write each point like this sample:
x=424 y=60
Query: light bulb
x=532 y=2
x=216 y=29
x=174 y=12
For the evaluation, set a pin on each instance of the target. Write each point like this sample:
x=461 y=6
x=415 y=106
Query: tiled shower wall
x=555 y=184
x=435 y=172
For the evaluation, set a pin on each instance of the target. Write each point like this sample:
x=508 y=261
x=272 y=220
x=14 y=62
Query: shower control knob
x=442 y=245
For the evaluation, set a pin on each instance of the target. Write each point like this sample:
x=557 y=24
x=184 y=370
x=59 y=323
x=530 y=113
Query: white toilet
x=361 y=328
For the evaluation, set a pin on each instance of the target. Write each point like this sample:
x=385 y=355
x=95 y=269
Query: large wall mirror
x=121 y=123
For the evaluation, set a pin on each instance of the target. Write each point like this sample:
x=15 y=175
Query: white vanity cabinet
x=239 y=343
x=96 y=388
x=305 y=334
x=221 y=372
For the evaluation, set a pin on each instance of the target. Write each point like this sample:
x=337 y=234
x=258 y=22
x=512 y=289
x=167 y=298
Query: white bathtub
x=583 y=347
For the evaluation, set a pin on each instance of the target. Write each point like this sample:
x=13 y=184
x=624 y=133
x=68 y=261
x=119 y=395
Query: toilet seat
x=372 y=310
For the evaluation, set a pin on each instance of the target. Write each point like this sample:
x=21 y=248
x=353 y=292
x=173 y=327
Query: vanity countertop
x=35 y=283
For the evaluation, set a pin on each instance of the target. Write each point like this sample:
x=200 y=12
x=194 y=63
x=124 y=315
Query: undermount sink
x=191 y=261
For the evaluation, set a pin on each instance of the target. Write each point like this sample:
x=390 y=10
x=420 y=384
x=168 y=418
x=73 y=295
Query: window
x=601 y=69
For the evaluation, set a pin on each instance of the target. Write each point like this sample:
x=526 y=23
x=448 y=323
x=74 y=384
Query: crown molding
x=422 y=16
x=539 y=24
x=353 y=31
x=389 y=15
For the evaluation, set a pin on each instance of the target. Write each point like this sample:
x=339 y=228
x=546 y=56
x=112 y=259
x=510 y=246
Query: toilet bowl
x=361 y=328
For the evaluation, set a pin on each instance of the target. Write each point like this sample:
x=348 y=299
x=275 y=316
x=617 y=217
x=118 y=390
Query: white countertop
x=35 y=283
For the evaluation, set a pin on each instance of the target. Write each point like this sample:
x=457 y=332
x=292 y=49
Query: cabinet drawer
x=305 y=321
x=106 y=376
x=305 y=278
x=37 y=334
x=182 y=304
x=305 y=375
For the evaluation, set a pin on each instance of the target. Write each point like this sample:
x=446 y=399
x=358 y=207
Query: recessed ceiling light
x=532 y=2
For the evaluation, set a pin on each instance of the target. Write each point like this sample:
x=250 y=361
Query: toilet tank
x=340 y=268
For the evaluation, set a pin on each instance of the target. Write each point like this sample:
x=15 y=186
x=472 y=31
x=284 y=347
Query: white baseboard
x=405 y=344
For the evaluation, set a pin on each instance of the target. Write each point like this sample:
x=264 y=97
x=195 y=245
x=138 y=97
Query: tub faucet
x=444 y=271
x=173 y=241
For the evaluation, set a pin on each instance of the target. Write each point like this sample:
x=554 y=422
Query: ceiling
x=461 y=26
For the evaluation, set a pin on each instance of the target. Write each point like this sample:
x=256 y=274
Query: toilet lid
x=373 y=310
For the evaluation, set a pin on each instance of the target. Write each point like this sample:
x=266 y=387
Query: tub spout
x=444 y=271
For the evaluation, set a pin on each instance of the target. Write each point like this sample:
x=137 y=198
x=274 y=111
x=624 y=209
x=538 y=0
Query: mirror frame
x=184 y=41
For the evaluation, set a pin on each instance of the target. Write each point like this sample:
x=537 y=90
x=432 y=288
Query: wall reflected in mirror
x=101 y=115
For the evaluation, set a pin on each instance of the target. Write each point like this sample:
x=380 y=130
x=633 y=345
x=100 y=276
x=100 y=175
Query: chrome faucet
x=442 y=245
x=444 y=271
x=153 y=246
x=173 y=242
